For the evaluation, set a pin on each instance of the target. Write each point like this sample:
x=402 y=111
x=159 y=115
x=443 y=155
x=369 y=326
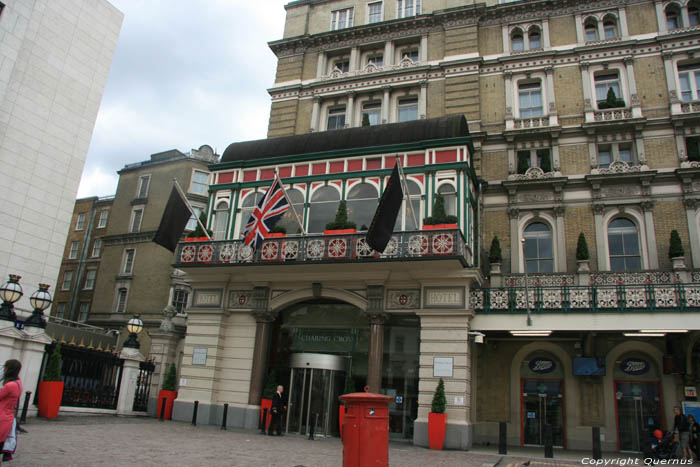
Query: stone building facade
x=582 y=120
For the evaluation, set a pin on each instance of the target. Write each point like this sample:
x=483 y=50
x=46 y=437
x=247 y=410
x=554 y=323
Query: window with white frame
x=341 y=19
x=221 y=220
x=324 y=204
x=341 y=64
x=336 y=118
x=136 y=217
x=80 y=222
x=90 y=275
x=449 y=195
x=102 y=222
x=84 y=311
x=179 y=302
x=61 y=310
x=590 y=29
x=534 y=36
x=517 y=42
x=362 y=202
x=96 y=248
x=689 y=81
x=527 y=158
x=608 y=153
x=377 y=59
x=122 y=295
x=192 y=223
x=693 y=14
x=371 y=113
x=530 y=99
x=200 y=182
x=249 y=203
x=374 y=12
x=623 y=245
x=673 y=17
x=608 y=92
x=407 y=8
x=287 y=220
x=67 y=280
x=405 y=220
x=144 y=182
x=610 y=27
x=73 y=252
x=410 y=53
x=538 y=249
x=408 y=109
x=128 y=261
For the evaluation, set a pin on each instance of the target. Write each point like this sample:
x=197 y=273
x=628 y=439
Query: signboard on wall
x=199 y=356
x=634 y=366
x=442 y=366
x=323 y=340
x=542 y=365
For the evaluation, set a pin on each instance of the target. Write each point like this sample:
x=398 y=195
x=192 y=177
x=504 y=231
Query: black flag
x=173 y=222
x=382 y=225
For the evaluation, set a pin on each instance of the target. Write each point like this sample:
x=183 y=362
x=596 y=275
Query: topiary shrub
x=341 y=221
x=52 y=372
x=198 y=232
x=170 y=378
x=611 y=101
x=675 y=249
x=495 y=251
x=279 y=229
x=439 y=400
x=439 y=214
x=582 y=248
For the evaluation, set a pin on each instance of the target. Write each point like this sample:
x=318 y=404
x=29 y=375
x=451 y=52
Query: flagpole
x=294 y=211
x=189 y=206
x=405 y=190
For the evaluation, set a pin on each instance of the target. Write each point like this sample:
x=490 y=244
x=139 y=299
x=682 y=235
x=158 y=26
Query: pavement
x=125 y=441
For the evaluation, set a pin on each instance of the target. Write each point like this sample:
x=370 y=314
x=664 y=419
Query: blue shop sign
x=542 y=365
x=634 y=366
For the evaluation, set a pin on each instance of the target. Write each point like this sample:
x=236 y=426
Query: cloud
x=96 y=182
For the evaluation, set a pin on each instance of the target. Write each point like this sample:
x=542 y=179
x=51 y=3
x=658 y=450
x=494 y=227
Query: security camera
x=479 y=339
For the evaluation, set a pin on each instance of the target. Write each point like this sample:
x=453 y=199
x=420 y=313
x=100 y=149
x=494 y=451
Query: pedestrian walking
x=682 y=427
x=278 y=408
x=9 y=398
x=694 y=435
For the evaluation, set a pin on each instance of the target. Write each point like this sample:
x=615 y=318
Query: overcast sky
x=184 y=74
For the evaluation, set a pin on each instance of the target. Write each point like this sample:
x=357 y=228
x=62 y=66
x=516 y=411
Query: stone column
x=130 y=373
x=321 y=66
x=515 y=247
x=388 y=53
x=315 y=113
x=349 y=120
x=652 y=253
x=561 y=239
x=377 y=317
x=354 y=57
x=263 y=324
x=423 y=53
x=551 y=98
x=423 y=100
x=600 y=235
x=510 y=104
x=385 y=104
x=632 y=83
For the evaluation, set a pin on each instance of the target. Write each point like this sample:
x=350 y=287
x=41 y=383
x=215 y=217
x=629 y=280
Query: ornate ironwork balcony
x=436 y=244
x=637 y=298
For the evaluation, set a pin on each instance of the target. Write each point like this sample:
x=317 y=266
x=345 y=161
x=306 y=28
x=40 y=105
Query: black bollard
x=162 y=410
x=223 y=420
x=194 y=413
x=263 y=422
x=548 y=441
x=597 y=454
x=502 y=446
x=23 y=418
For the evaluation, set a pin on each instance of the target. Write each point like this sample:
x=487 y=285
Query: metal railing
x=143 y=385
x=313 y=248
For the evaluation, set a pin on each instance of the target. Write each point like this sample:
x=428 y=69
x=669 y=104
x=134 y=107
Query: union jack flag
x=264 y=217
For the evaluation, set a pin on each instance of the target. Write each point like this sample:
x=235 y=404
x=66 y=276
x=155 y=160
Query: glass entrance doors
x=638 y=410
x=316 y=382
x=542 y=403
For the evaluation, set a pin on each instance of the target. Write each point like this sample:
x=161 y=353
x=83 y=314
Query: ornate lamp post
x=40 y=300
x=10 y=292
x=134 y=326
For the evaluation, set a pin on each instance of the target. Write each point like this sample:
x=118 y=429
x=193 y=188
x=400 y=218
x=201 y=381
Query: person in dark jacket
x=682 y=427
x=278 y=408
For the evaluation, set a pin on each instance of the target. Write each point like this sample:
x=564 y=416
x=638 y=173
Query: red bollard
x=366 y=430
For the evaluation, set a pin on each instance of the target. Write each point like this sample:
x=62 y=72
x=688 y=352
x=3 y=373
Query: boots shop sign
x=542 y=365
x=634 y=366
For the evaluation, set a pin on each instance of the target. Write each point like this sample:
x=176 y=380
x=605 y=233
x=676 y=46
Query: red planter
x=197 y=239
x=339 y=232
x=341 y=417
x=50 y=395
x=169 y=397
x=439 y=226
x=275 y=235
x=437 y=423
x=266 y=404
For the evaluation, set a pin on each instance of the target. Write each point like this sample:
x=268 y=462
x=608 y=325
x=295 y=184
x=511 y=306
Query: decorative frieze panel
x=240 y=299
x=403 y=299
x=518 y=280
x=633 y=278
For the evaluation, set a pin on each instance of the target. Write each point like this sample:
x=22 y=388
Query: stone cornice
x=127 y=238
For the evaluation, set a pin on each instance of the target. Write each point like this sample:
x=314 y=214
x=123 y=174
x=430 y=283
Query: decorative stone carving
x=599 y=209
x=403 y=299
x=166 y=323
x=240 y=299
x=534 y=197
x=621 y=191
x=514 y=213
x=533 y=173
x=620 y=167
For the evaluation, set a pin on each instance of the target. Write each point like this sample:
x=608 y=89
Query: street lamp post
x=527 y=292
x=40 y=300
x=10 y=292
x=134 y=326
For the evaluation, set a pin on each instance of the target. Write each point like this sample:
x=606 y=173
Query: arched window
x=623 y=245
x=538 y=248
x=362 y=201
x=535 y=38
x=673 y=17
x=450 y=196
x=517 y=42
x=404 y=221
x=693 y=14
x=590 y=28
x=324 y=204
x=220 y=220
x=287 y=220
x=249 y=203
x=610 y=27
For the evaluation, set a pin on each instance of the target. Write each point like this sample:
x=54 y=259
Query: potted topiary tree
x=611 y=101
x=266 y=402
x=198 y=235
x=582 y=256
x=341 y=224
x=676 y=251
x=168 y=393
x=437 y=418
x=439 y=219
x=51 y=386
x=495 y=257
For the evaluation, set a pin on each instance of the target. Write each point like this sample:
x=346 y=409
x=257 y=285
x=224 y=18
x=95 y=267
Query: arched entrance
x=542 y=399
x=638 y=405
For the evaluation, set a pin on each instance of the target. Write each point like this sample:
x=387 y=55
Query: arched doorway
x=542 y=399
x=638 y=399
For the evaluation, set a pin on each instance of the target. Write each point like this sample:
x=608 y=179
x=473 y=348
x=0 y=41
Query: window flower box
x=339 y=231
x=275 y=235
x=439 y=226
x=197 y=239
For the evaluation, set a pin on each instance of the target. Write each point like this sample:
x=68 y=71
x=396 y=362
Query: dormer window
x=341 y=19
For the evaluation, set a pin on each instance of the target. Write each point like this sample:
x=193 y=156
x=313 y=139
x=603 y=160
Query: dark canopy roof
x=452 y=126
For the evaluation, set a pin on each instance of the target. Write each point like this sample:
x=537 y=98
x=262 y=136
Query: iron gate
x=143 y=385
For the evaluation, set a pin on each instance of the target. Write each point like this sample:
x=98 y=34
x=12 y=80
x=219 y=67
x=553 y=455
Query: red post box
x=366 y=430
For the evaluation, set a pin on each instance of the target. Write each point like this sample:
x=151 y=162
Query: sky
x=184 y=74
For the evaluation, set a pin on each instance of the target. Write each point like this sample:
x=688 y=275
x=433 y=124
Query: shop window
x=324 y=204
x=341 y=19
x=608 y=92
x=408 y=109
x=530 y=99
x=287 y=220
x=623 y=245
x=336 y=118
x=362 y=201
x=538 y=249
x=689 y=80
